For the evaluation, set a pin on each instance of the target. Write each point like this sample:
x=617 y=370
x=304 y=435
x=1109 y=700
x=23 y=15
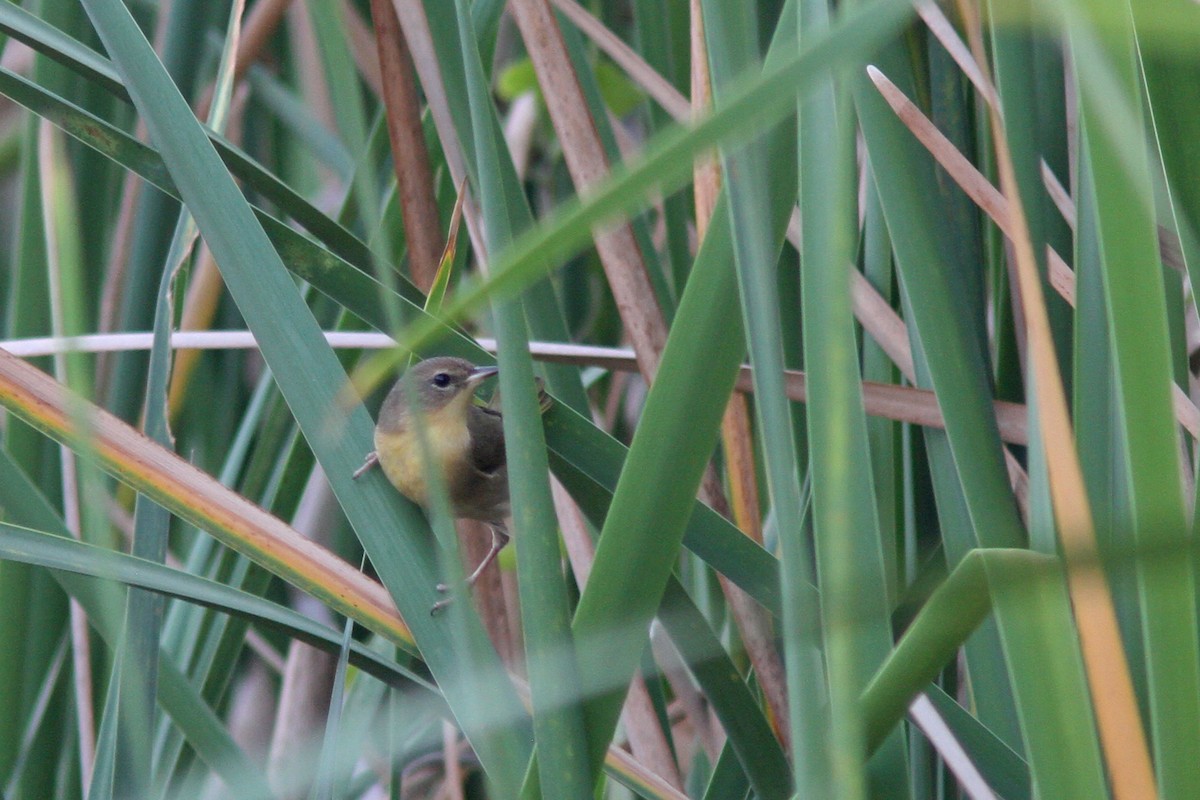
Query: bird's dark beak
x=479 y=375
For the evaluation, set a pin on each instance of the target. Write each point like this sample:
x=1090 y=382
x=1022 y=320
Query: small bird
x=466 y=442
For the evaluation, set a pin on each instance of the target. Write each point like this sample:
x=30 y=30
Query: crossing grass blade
x=559 y=731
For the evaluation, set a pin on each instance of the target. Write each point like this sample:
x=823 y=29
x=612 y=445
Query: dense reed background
x=938 y=541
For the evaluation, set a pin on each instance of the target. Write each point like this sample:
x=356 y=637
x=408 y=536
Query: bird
x=465 y=441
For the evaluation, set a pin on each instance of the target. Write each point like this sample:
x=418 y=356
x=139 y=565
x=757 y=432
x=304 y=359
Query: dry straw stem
x=587 y=162
x=926 y=717
x=943 y=30
x=642 y=73
x=415 y=28
x=1121 y=734
x=257 y=29
x=414 y=177
x=199 y=309
x=262 y=20
x=907 y=404
x=890 y=401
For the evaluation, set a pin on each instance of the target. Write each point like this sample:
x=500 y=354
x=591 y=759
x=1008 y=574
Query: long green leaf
x=207 y=735
x=672 y=444
x=558 y=722
x=57 y=552
x=975 y=505
x=732 y=45
x=850 y=550
x=1136 y=304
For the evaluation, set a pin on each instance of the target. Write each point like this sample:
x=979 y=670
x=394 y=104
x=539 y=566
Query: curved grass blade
x=1027 y=594
x=51 y=550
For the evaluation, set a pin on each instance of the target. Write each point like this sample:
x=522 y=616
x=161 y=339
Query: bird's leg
x=371 y=461
x=500 y=538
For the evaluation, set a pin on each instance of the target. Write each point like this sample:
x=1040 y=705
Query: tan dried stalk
x=587 y=162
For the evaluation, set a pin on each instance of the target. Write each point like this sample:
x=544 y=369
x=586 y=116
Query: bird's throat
x=448 y=439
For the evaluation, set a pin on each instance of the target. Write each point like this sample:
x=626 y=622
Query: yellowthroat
x=466 y=442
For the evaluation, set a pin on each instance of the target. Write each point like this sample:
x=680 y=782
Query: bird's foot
x=445 y=601
x=371 y=461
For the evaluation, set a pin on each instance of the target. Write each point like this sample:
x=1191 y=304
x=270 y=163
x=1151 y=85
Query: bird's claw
x=371 y=460
x=445 y=601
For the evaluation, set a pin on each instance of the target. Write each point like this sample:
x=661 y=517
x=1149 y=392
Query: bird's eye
x=441 y=380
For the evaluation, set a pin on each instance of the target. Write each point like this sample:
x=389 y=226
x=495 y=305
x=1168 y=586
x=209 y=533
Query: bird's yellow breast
x=448 y=439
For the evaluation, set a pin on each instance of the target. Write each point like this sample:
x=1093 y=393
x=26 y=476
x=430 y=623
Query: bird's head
x=436 y=384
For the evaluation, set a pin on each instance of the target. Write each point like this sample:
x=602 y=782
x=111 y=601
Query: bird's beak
x=479 y=375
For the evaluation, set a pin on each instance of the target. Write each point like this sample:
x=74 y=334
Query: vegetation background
x=938 y=542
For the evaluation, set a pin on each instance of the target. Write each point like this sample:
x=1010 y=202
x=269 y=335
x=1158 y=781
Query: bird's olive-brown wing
x=487 y=439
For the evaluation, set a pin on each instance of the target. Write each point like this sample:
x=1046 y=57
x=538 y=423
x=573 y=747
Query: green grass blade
x=1027 y=594
x=671 y=446
x=975 y=506
x=850 y=550
x=49 y=40
x=1136 y=304
x=144 y=610
x=749 y=732
x=732 y=45
x=178 y=698
x=558 y=721
x=57 y=552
